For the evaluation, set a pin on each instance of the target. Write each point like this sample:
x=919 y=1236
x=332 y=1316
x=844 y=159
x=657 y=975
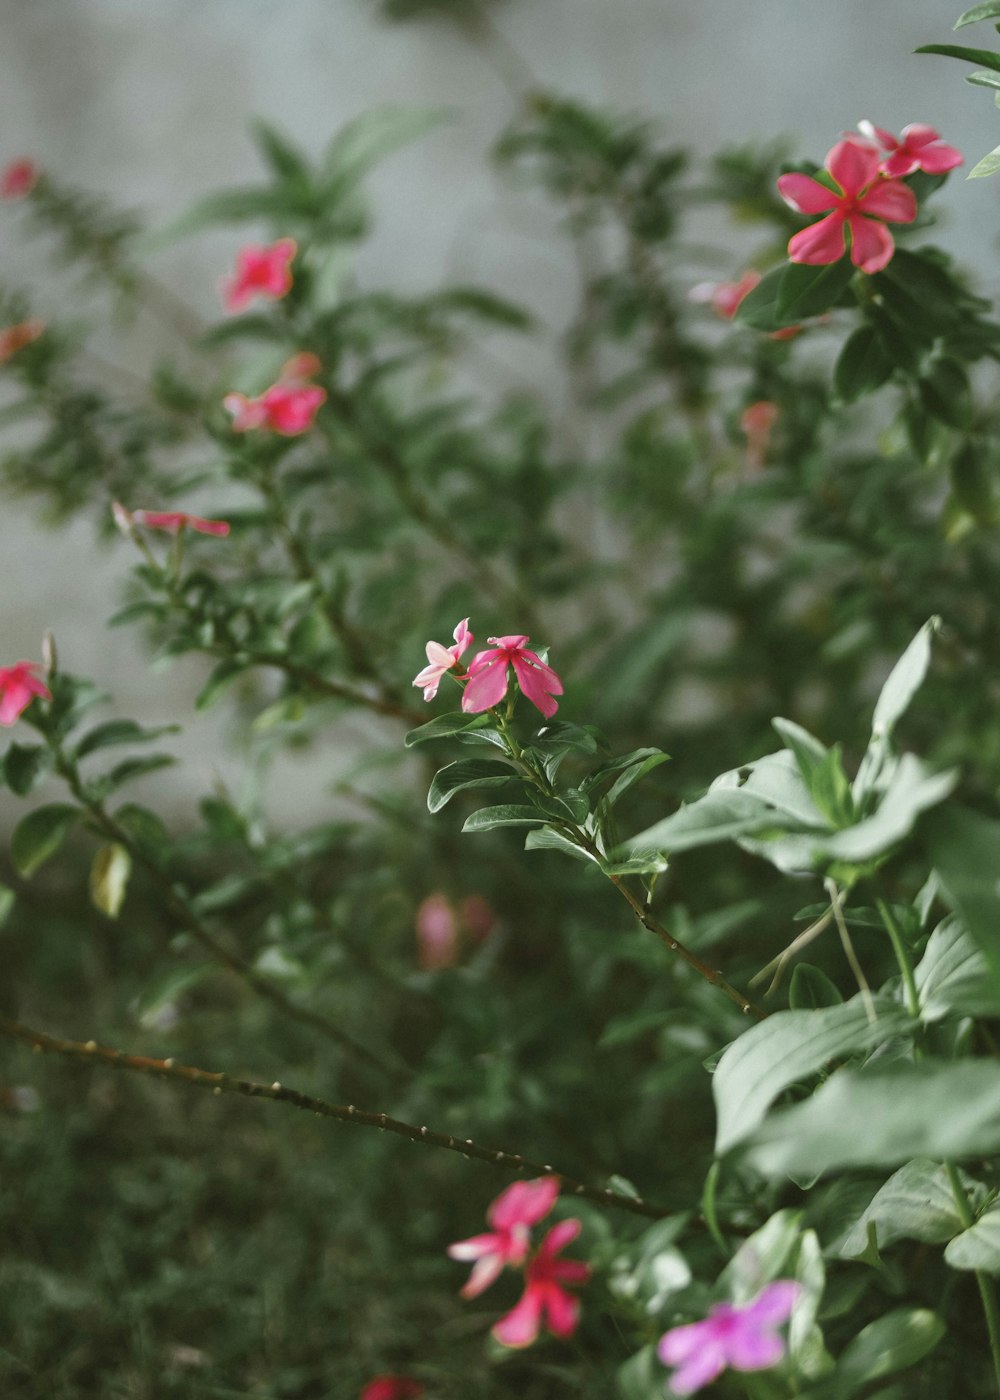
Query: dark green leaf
x=811 y=990
x=285 y=161
x=24 y=767
x=954 y=977
x=443 y=727
x=489 y=817
x=121 y=731
x=890 y=1343
x=547 y=838
x=946 y=393
x=986 y=58
x=863 y=364
x=806 y=290
x=40 y=834
x=127 y=770
x=466 y=773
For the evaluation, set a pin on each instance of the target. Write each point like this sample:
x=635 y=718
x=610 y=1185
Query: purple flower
x=744 y=1338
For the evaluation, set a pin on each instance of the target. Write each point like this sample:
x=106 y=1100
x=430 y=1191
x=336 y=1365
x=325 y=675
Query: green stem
x=902 y=957
x=987 y=1290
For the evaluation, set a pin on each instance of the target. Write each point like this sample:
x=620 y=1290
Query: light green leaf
x=912 y=789
x=881 y=1116
x=489 y=817
x=978 y=1247
x=718 y=816
x=466 y=773
x=766 y=1255
x=989 y=165
x=989 y=9
x=776 y=781
x=547 y=838
x=983 y=78
x=904 y=680
x=109 y=874
x=362 y=143
x=890 y=1343
x=789 y=1046
x=954 y=977
x=964 y=847
x=641 y=1377
x=916 y=1203
x=7 y=901
x=39 y=835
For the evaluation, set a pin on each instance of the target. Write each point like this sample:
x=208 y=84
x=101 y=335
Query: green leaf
x=759 y=308
x=7 y=901
x=989 y=165
x=109 y=876
x=641 y=1377
x=547 y=838
x=964 y=848
x=978 y=1247
x=789 y=1046
x=986 y=58
x=718 y=816
x=285 y=160
x=362 y=143
x=811 y=989
x=954 y=977
x=890 y=1343
x=166 y=989
x=489 y=817
x=24 y=767
x=40 y=834
x=809 y=752
x=988 y=9
x=443 y=727
x=121 y=731
x=127 y=770
x=916 y=1203
x=807 y=290
x=881 y=1116
x=945 y=390
x=863 y=364
x=902 y=683
x=983 y=79
x=775 y=780
x=145 y=827
x=634 y=773
x=466 y=773
x=913 y=789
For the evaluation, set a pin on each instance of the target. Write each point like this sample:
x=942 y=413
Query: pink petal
x=918 y=134
x=519 y=1327
x=524 y=1203
x=14 y=700
x=570 y=1271
x=562 y=1311
x=853 y=164
x=774 y=1303
x=879 y=135
x=939 y=158
x=487 y=685
x=751 y=1350
x=485 y=1272
x=820 y=243
x=805 y=194
x=679 y=1343
x=871 y=244
x=208 y=527
x=891 y=200
x=558 y=1238
x=475 y=1247
x=701 y=1369
x=536 y=681
x=507 y=643
x=463 y=638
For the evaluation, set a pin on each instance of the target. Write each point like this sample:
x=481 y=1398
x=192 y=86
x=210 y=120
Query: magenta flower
x=441 y=659
x=545 y=1300
x=18 y=687
x=918 y=148
x=18 y=179
x=288 y=407
x=14 y=338
x=260 y=272
x=512 y=1214
x=744 y=1338
x=392 y=1388
x=174 y=520
x=863 y=197
x=488 y=677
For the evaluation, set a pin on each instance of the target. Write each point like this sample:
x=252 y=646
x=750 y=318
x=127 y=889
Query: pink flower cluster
x=288 y=407
x=487 y=678
x=867 y=193
x=545 y=1299
x=260 y=272
x=18 y=687
x=743 y=1338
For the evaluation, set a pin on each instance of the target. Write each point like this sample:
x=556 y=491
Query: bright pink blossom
x=260 y=272
x=18 y=687
x=441 y=659
x=14 y=338
x=918 y=148
x=392 y=1388
x=488 y=677
x=862 y=198
x=288 y=407
x=512 y=1215
x=545 y=1300
x=18 y=179
x=744 y=1338
x=174 y=520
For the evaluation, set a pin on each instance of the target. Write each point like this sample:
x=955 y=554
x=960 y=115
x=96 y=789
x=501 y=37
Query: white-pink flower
x=288 y=407
x=441 y=659
x=743 y=1338
x=512 y=1215
x=488 y=677
x=918 y=148
x=18 y=687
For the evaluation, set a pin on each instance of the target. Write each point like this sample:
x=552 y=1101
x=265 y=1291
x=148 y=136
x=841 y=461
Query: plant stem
x=344 y=1113
x=902 y=957
x=987 y=1290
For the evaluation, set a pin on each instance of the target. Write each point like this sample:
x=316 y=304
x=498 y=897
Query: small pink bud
x=18 y=179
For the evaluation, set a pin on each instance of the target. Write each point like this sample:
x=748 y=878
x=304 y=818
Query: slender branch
x=344 y=1113
x=987 y=1290
x=837 y=901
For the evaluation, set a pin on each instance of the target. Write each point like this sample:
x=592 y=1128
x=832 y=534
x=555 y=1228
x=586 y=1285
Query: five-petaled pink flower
x=260 y=272
x=545 y=1300
x=441 y=659
x=487 y=683
x=392 y=1388
x=512 y=1215
x=18 y=687
x=288 y=407
x=174 y=520
x=14 y=338
x=744 y=1338
x=918 y=148
x=863 y=197
x=18 y=179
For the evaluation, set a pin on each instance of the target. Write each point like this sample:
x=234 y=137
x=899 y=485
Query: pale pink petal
x=699 y=1370
x=751 y=1350
x=507 y=643
x=562 y=1311
x=853 y=164
x=485 y=1272
x=519 y=1327
x=820 y=243
x=871 y=244
x=805 y=194
x=891 y=200
x=487 y=685
x=524 y=1203
x=208 y=527
x=773 y=1304
x=679 y=1343
x=474 y=1247
x=879 y=135
x=463 y=639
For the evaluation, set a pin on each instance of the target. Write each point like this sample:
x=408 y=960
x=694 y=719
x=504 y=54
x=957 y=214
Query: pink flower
x=167 y=520
x=725 y=297
x=544 y=1299
x=862 y=198
x=512 y=1214
x=437 y=933
x=919 y=148
x=441 y=659
x=260 y=272
x=18 y=687
x=758 y=421
x=14 y=338
x=288 y=407
x=488 y=677
x=18 y=179
x=744 y=1338
x=392 y=1388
